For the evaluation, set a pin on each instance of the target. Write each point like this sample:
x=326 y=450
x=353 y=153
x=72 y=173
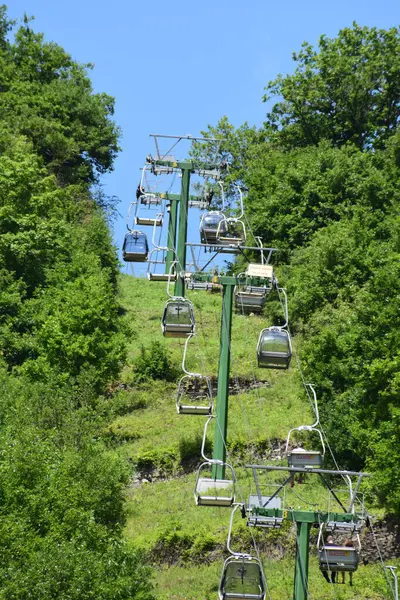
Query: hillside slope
x=185 y=543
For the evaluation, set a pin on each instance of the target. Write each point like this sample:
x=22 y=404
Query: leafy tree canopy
x=348 y=91
x=48 y=97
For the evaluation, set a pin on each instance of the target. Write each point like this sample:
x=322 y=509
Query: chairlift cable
x=326 y=558
x=310 y=400
x=380 y=557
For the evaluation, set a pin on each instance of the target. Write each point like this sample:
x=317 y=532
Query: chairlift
x=299 y=457
x=149 y=221
x=242 y=575
x=231 y=230
x=209 y=225
x=242 y=579
x=274 y=348
x=355 y=521
x=194 y=395
x=178 y=318
x=209 y=490
x=157 y=256
x=135 y=247
x=150 y=199
x=250 y=299
x=266 y=522
x=338 y=558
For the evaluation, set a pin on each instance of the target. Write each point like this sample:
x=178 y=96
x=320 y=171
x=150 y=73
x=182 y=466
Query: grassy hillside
x=185 y=543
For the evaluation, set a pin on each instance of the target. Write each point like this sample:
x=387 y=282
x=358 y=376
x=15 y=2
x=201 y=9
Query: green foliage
x=48 y=97
x=61 y=341
x=154 y=363
x=323 y=175
x=348 y=91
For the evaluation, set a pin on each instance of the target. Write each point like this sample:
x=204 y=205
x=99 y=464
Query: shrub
x=154 y=363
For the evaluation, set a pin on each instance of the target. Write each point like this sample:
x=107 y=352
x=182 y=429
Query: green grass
x=201 y=582
x=186 y=543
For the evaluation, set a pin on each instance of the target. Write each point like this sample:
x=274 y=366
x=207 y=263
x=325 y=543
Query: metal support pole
x=171 y=240
x=300 y=591
x=182 y=233
x=219 y=452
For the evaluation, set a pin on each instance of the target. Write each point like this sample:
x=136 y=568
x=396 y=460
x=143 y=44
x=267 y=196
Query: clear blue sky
x=176 y=66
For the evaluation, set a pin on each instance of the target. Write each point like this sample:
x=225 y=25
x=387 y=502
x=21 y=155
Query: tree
x=48 y=97
x=349 y=91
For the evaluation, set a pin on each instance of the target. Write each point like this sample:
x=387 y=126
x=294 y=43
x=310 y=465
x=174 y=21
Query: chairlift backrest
x=242 y=579
x=338 y=558
x=273 y=521
x=178 y=318
x=209 y=224
x=211 y=491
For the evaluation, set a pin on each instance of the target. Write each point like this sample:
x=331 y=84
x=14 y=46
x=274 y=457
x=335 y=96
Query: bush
x=154 y=363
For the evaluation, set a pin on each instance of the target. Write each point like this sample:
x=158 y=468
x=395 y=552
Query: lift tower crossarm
x=192 y=165
x=304 y=520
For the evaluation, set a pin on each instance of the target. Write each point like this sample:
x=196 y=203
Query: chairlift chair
x=274 y=349
x=149 y=221
x=211 y=491
x=194 y=396
x=338 y=558
x=154 y=260
x=210 y=223
x=231 y=232
x=178 y=318
x=192 y=284
x=135 y=247
x=300 y=457
x=150 y=199
x=267 y=522
x=250 y=299
x=242 y=579
x=355 y=521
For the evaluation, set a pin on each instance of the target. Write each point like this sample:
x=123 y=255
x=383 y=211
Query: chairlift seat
x=201 y=204
x=178 y=318
x=161 y=277
x=147 y=221
x=305 y=458
x=197 y=285
x=251 y=299
x=274 y=349
x=135 y=247
x=208 y=492
x=267 y=522
x=338 y=558
x=150 y=200
x=344 y=527
x=198 y=389
x=189 y=409
x=242 y=579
